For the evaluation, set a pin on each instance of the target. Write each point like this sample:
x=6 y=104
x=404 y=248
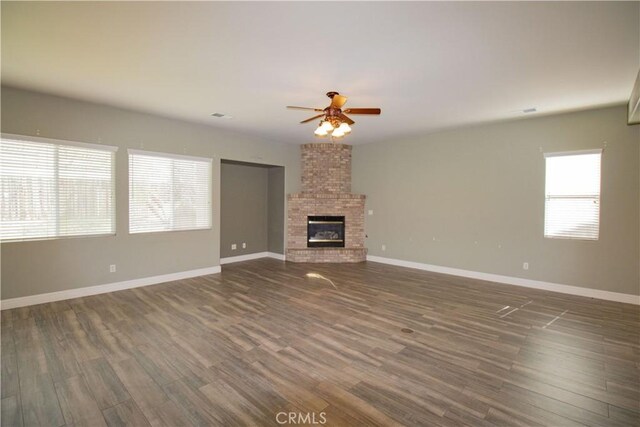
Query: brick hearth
x=326 y=191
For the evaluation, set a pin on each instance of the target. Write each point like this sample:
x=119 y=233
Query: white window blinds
x=168 y=192
x=572 y=195
x=55 y=188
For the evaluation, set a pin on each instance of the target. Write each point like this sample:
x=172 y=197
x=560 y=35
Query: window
x=572 y=195
x=55 y=188
x=168 y=192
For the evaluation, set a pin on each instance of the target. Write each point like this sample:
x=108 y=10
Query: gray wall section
x=243 y=209
x=473 y=199
x=252 y=202
x=36 y=267
x=276 y=203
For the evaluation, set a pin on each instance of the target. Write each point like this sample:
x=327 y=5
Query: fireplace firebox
x=325 y=231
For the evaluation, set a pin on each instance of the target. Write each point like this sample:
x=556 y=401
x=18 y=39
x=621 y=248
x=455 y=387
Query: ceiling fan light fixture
x=345 y=128
x=334 y=121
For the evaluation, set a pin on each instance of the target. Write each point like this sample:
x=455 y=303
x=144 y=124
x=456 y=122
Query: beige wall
x=473 y=199
x=36 y=267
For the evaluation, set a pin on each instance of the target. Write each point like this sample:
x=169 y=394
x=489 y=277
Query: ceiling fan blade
x=313 y=118
x=338 y=101
x=363 y=110
x=303 y=108
x=345 y=119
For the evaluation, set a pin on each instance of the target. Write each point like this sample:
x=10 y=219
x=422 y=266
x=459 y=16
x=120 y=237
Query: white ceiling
x=429 y=66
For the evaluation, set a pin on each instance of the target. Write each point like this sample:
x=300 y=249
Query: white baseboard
x=275 y=256
x=239 y=258
x=249 y=257
x=101 y=289
x=518 y=281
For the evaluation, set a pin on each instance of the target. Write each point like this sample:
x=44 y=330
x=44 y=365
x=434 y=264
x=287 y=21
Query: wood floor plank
x=40 y=405
x=61 y=360
x=402 y=388
x=621 y=416
x=141 y=387
x=194 y=407
x=167 y=415
x=366 y=412
x=10 y=382
x=11 y=411
x=225 y=397
x=295 y=388
x=124 y=414
x=189 y=368
x=396 y=404
x=30 y=354
x=158 y=368
x=249 y=383
x=558 y=407
x=104 y=383
x=83 y=345
x=389 y=346
x=77 y=403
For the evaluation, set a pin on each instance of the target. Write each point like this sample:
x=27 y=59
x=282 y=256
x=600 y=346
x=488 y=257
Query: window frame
x=173 y=156
x=52 y=141
x=547 y=155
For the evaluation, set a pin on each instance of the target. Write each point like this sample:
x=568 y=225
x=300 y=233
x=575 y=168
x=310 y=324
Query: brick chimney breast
x=326 y=191
x=326 y=168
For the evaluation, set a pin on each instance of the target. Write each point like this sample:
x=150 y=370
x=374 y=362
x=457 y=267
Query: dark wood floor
x=262 y=338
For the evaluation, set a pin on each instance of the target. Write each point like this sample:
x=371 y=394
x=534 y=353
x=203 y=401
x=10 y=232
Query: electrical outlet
x=244 y=245
x=525 y=265
x=370 y=211
x=384 y=247
x=234 y=246
x=112 y=268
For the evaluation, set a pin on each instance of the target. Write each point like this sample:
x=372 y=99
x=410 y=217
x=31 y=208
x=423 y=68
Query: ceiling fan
x=334 y=120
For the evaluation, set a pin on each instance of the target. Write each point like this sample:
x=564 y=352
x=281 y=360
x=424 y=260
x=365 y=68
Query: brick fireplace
x=325 y=198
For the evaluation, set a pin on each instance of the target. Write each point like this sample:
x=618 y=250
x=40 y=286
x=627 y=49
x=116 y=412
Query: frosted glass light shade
x=344 y=128
x=337 y=133
x=327 y=126
x=320 y=131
